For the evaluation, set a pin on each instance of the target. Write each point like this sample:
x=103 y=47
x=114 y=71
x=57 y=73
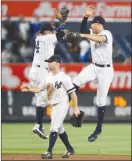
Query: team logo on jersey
x=58 y=84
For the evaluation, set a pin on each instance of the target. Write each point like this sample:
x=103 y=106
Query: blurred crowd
x=17 y=44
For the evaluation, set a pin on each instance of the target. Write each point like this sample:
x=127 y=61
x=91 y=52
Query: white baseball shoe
x=39 y=131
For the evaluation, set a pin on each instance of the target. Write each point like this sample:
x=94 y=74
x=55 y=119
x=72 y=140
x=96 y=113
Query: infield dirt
x=58 y=157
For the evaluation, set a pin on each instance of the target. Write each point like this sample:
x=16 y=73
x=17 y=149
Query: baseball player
x=59 y=86
x=101 y=68
x=44 y=49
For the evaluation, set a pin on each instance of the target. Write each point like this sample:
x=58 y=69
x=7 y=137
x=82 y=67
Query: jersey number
x=37 y=47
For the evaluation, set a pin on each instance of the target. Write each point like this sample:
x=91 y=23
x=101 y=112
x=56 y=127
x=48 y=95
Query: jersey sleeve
x=61 y=27
x=85 y=26
x=52 y=38
x=108 y=35
x=68 y=85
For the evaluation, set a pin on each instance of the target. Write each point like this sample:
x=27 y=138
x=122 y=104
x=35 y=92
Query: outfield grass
x=114 y=140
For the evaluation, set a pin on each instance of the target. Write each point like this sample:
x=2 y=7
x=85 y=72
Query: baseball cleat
x=68 y=153
x=94 y=136
x=40 y=132
x=47 y=155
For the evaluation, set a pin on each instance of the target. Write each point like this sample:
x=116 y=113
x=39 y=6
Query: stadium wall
x=18 y=106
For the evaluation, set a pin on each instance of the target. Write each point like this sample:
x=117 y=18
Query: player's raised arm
x=85 y=27
x=97 y=27
x=61 y=15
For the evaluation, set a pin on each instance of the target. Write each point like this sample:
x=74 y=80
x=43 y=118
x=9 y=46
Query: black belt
x=39 y=66
x=101 y=65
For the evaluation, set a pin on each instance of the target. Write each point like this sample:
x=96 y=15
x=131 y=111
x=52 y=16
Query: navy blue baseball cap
x=54 y=58
x=98 y=19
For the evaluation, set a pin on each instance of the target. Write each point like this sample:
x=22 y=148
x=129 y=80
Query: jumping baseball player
x=59 y=86
x=101 y=68
x=44 y=49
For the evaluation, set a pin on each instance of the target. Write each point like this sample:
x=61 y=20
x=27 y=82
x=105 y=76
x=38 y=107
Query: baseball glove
x=64 y=12
x=77 y=121
x=73 y=38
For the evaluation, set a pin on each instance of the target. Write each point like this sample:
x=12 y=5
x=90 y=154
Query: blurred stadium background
x=20 y=23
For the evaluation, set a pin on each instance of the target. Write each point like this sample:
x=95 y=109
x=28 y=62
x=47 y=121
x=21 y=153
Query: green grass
x=114 y=140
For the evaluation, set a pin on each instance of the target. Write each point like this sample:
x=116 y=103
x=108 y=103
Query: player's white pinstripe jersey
x=62 y=87
x=102 y=51
x=44 y=48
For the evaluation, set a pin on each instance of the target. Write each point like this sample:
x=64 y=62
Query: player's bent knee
x=101 y=102
x=54 y=129
x=101 y=105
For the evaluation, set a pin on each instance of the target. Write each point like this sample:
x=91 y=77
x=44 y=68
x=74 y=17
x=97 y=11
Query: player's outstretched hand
x=90 y=11
x=23 y=86
x=24 y=90
x=57 y=14
x=62 y=14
